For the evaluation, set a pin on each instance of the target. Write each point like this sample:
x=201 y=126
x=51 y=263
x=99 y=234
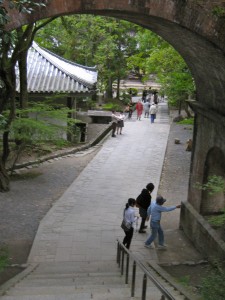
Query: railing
x=121 y=252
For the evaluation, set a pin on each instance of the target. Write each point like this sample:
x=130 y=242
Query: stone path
x=78 y=235
x=85 y=222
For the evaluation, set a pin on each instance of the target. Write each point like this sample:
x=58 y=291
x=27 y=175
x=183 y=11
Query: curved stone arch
x=190 y=27
x=214 y=165
x=199 y=36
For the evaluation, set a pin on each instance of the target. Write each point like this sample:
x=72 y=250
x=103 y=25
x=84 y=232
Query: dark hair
x=150 y=187
x=130 y=202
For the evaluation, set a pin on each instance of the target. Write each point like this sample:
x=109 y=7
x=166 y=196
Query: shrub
x=3 y=258
x=112 y=106
x=189 y=121
x=218 y=220
x=213 y=286
x=133 y=91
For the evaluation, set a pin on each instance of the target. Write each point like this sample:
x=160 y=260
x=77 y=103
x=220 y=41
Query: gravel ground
x=33 y=191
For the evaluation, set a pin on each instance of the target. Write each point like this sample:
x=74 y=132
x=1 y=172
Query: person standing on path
x=153 y=111
x=115 y=119
x=155 y=210
x=146 y=109
x=143 y=201
x=139 y=109
x=129 y=216
x=120 y=123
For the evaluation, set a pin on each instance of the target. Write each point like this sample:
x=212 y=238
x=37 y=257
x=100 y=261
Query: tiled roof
x=49 y=73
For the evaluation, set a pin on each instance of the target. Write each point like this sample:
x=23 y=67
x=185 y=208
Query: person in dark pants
x=129 y=216
x=115 y=119
x=143 y=201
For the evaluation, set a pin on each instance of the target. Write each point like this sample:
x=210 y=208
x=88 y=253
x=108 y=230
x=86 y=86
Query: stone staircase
x=79 y=281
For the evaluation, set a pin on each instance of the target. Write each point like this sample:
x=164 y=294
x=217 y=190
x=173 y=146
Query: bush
x=218 y=220
x=133 y=91
x=3 y=258
x=126 y=98
x=112 y=106
x=189 y=121
x=213 y=286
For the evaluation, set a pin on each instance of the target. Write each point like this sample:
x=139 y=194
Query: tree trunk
x=4 y=178
x=187 y=110
x=109 y=90
x=23 y=79
x=118 y=88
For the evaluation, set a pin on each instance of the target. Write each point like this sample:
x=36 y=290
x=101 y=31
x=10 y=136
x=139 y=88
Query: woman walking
x=129 y=216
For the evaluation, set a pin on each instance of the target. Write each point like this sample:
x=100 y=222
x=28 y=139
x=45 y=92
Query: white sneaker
x=149 y=246
x=162 y=247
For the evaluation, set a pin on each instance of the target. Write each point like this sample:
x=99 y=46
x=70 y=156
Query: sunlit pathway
x=84 y=223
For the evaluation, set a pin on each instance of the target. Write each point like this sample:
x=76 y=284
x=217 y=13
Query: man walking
x=155 y=210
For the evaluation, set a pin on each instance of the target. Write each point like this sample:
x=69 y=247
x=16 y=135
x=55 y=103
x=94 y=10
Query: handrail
x=147 y=274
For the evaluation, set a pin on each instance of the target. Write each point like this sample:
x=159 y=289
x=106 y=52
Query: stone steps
x=82 y=281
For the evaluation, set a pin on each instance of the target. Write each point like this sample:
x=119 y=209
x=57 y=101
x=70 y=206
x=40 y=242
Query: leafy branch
x=214 y=185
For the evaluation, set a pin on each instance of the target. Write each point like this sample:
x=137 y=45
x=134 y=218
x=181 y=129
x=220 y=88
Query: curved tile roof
x=49 y=73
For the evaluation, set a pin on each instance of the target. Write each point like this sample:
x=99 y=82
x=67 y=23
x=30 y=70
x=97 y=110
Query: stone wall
x=202 y=235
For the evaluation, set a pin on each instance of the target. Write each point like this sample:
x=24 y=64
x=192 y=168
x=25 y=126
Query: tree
x=156 y=56
x=173 y=75
x=11 y=49
x=93 y=40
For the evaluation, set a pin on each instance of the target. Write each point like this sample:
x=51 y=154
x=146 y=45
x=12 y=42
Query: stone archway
x=214 y=165
x=198 y=34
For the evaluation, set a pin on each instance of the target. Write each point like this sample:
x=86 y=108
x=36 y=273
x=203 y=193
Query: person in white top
x=120 y=123
x=153 y=111
x=115 y=119
x=129 y=216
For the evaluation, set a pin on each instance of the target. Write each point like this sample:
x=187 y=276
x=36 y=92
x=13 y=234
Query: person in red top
x=139 y=109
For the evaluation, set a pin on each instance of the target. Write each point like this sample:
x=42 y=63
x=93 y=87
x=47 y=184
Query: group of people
x=149 y=109
x=117 y=122
x=148 y=210
x=118 y=117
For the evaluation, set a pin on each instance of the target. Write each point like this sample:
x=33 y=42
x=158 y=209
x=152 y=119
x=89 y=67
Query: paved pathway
x=84 y=223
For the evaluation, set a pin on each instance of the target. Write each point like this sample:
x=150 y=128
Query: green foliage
x=218 y=220
x=125 y=98
x=92 y=40
x=3 y=258
x=22 y=6
x=133 y=91
x=112 y=106
x=189 y=121
x=213 y=286
x=184 y=280
x=218 y=11
x=215 y=184
x=172 y=73
x=3 y=122
x=39 y=122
